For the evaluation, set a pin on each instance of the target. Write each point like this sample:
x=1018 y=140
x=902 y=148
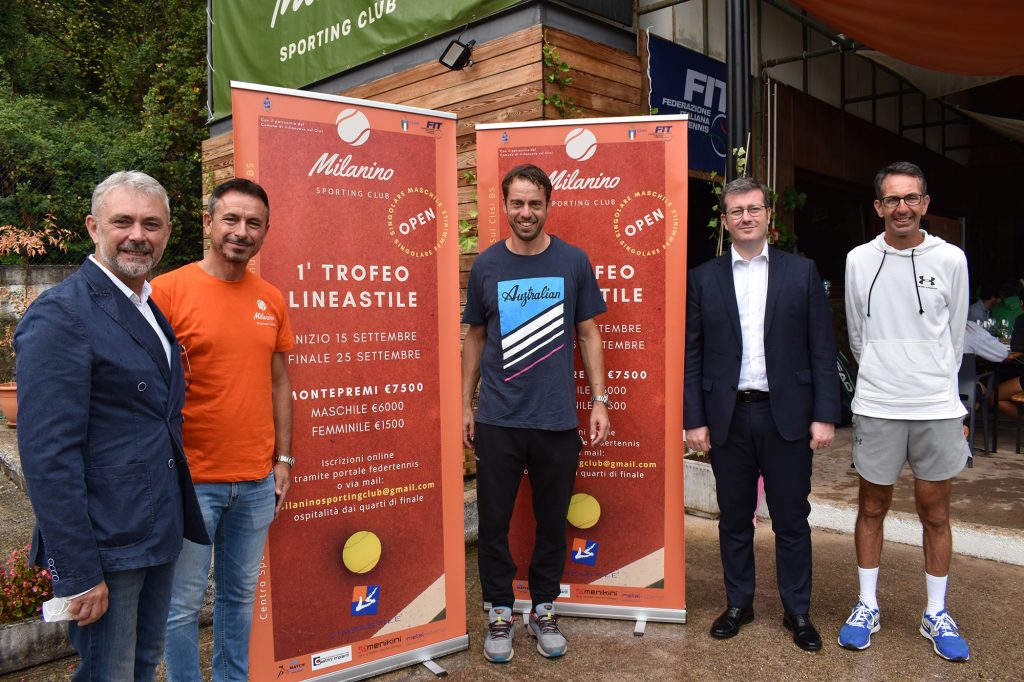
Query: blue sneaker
x=945 y=637
x=862 y=623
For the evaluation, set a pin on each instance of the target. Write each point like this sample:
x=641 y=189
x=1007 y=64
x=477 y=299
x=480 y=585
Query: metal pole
x=737 y=57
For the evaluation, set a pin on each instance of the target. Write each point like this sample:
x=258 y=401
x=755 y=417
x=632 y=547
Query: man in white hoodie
x=906 y=308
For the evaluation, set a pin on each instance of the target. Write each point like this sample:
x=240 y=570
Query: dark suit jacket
x=800 y=352
x=99 y=430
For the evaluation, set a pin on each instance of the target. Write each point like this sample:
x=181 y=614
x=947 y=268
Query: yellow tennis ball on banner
x=362 y=552
x=584 y=510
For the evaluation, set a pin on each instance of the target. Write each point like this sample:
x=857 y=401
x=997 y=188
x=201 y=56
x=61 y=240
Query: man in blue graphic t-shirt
x=526 y=296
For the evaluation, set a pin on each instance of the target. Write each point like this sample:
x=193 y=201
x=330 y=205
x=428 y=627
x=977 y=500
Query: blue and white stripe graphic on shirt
x=532 y=318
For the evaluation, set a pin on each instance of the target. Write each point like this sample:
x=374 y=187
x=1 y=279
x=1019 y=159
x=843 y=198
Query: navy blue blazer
x=800 y=351
x=99 y=430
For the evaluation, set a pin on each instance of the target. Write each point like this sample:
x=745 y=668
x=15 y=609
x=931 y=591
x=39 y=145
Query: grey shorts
x=935 y=448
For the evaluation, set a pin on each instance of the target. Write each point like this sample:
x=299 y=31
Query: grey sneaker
x=500 y=631
x=543 y=625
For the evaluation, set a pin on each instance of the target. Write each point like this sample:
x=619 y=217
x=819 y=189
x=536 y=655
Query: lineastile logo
x=364 y=600
x=584 y=551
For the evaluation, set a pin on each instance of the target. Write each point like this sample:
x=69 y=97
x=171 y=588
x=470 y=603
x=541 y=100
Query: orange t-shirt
x=230 y=331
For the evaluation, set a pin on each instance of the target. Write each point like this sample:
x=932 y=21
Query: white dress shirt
x=983 y=344
x=750 y=279
x=140 y=304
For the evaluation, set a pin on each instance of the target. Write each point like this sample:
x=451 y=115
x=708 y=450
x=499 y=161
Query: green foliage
x=780 y=234
x=557 y=75
x=86 y=90
x=23 y=588
x=468 y=236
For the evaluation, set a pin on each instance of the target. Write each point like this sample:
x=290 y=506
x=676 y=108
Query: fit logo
x=662 y=129
x=434 y=125
x=922 y=280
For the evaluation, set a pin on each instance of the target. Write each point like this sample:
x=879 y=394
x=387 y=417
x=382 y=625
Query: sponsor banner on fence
x=619 y=192
x=293 y=43
x=366 y=559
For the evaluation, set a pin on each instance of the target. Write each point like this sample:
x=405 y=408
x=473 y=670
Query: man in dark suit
x=761 y=393
x=100 y=391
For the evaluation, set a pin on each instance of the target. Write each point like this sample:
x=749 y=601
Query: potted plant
x=19 y=245
x=25 y=639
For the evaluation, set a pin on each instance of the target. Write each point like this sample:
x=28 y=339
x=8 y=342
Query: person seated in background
x=983 y=344
x=1008 y=308
x=1013 y=385
x=981 y=309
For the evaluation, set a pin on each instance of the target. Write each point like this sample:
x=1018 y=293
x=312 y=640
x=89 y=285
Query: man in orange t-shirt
x=234 y=329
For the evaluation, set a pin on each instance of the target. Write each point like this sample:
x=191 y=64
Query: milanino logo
x=584 y=551
x=364 y=600
x=353 y=127
x=325 y=659
x=261 y=316
x=580 y=144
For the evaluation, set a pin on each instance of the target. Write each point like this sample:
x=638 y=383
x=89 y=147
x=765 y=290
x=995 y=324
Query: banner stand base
x=640 y=627
x=435 y=668
x=385 y=665
x=640 y=614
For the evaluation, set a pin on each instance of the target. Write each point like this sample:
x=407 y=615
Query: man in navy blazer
x=761 y=392
x=100 y=391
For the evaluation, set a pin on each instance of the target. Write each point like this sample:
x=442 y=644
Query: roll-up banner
x=364 y=569
x=619 y=193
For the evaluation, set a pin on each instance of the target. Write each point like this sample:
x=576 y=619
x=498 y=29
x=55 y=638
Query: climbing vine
x=558 y=75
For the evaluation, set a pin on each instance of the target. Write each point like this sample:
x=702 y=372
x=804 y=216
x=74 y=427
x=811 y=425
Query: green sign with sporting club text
x=293 y=43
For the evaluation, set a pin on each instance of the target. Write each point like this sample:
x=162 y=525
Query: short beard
x=130 y=269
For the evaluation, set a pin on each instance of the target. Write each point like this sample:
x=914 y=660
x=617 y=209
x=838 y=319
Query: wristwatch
x=290 y=461
x=600 y=399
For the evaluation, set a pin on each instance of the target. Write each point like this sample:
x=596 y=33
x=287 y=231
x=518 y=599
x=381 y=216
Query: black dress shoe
x=805 y=635
x=728 y=624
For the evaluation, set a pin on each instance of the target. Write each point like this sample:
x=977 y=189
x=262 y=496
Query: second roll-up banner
x=619 y=193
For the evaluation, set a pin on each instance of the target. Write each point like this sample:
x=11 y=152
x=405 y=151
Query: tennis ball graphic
x=580 y=144
x=362 y=552
x=584 y=511
x=353 y=127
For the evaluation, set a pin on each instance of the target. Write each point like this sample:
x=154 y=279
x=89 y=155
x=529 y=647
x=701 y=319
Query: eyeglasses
x=909 y=200
x=737 y=213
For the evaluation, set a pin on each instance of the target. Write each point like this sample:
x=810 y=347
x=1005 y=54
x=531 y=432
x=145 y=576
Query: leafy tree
x=89 y=87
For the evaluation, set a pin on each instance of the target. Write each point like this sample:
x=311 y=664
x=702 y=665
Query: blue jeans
x=128 y=641
x=237 y=516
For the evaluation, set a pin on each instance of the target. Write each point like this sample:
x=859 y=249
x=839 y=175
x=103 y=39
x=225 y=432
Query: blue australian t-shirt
x=531 y=306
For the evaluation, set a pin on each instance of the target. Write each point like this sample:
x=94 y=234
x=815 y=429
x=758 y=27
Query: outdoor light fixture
x=457 y=55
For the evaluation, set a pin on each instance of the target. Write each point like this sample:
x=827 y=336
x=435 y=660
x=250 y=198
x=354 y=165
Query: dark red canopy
x=977 y=37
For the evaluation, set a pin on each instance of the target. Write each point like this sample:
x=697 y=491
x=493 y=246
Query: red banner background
x=620 y=194
x=363 y=244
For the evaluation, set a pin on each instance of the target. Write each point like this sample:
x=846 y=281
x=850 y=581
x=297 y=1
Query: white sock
x=868 y=585
x=936 y=593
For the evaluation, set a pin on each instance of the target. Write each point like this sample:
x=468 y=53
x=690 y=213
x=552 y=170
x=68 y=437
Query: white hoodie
x=906 y=312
